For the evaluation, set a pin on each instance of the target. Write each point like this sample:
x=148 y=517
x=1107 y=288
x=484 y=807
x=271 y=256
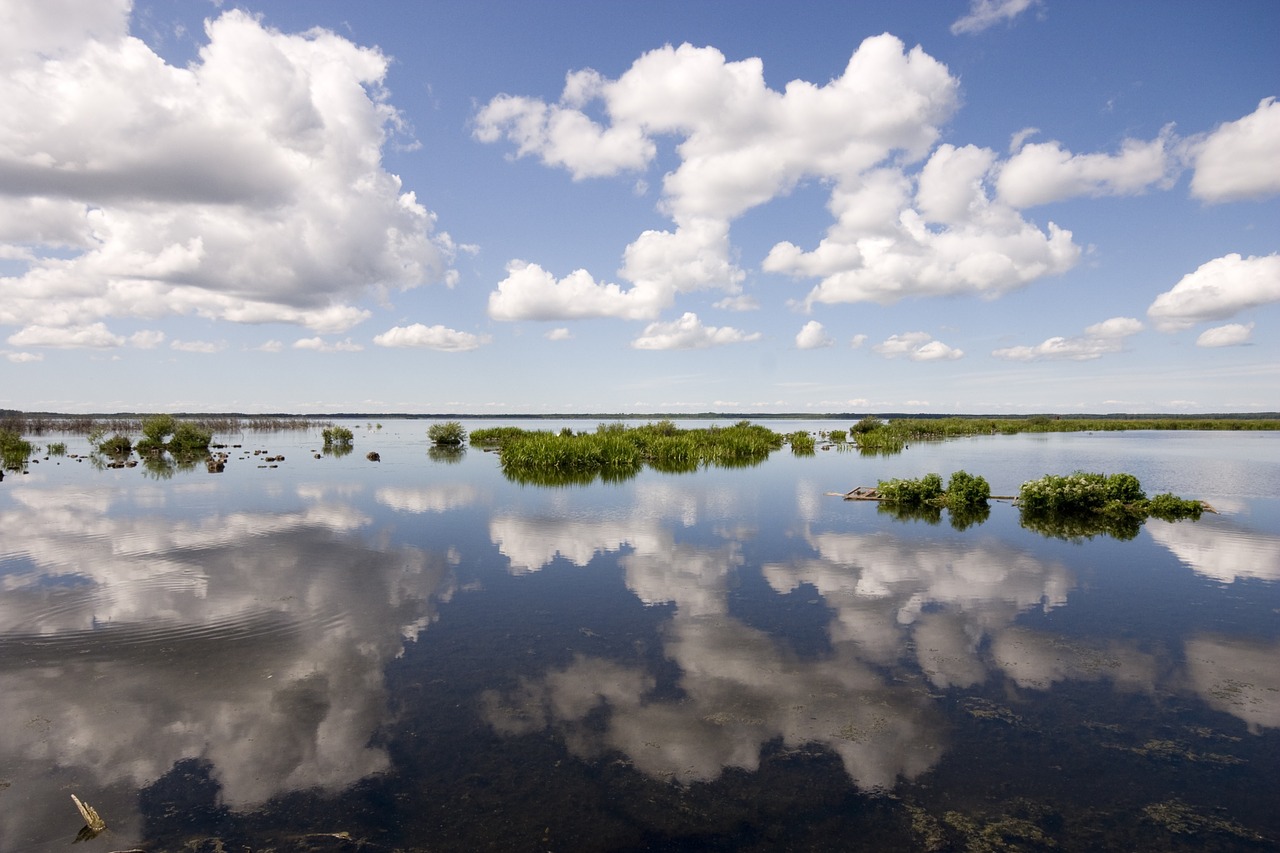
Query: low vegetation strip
x=615 y=449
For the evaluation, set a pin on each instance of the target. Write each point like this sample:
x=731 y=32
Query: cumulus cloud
x=1238 y=159
x=559 y=334
x=435 y=337
x=917 y=346
x=245 y=186
x=741 y=144
x=741 y=302
x=689 y=333
x=813 y=336
x=941 y=234
x=93 y=335
x=1044 y=172
x=23 y=357
x=1217 y=290
x=1098 y=340
x=984 y=14
x=1229 y=335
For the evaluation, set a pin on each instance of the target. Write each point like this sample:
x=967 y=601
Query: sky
x=484 y=207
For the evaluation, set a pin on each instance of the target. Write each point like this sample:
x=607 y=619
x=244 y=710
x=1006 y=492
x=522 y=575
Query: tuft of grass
x=447 y=433
x=337 y=438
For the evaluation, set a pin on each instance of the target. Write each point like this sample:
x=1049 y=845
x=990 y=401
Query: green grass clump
x=802 y=444
x=838 y=436
x=57 y=448
x=449 y=433
x=495 y=437
x=14 y=450
x=1169 y=507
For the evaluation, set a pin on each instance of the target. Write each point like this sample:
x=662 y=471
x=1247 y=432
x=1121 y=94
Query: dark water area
x=418 y=654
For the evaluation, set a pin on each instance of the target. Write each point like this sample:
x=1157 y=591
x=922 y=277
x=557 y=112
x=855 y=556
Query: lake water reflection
x=418 y=654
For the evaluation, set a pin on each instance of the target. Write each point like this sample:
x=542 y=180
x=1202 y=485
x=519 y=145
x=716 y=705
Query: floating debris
x=93 y=823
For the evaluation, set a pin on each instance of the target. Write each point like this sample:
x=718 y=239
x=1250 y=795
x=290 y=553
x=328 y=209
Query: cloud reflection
x=255 y=641
x=1221 y=552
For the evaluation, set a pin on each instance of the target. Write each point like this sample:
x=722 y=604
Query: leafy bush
x=447 y=433
x=1168 y=507
x=868 y=424
x=337 y=437
x=911 y=492
x=964 y=491
x=181 y=438
x=117 y=445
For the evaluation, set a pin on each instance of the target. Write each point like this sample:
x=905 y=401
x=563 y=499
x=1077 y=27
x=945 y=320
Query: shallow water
x=419 y=654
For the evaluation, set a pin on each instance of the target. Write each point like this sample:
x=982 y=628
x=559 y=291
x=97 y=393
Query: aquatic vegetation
x=615 y=451
x=1086 y=504
x=14 y=450
x=802 y=443
x=94 y=825
x=179 y=437
x=337 y=437
x=447 y=433
x=927 y=489
x=117 y=444
x=964 y=490
x=838 y=436
x=57 y=448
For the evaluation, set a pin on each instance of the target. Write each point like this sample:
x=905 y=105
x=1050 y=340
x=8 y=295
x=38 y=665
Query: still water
x=417 y=654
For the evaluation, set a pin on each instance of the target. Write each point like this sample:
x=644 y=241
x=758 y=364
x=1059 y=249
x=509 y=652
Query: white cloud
x=984 y=14
x=857 y=341
x=813 y=336
x=741 y=302
x=531 y=293
x=24 y=357
x=1045 y=172
x=271 y=346
x=1229 y=335
x=1098 y=340
x=1238 y=159
x=245 y=186
x=689 y=333
x=1217 y=290
x=198 y=346
x=318 y=344
x=953 y=240
x=917 y=346
x=430 y=337
x=560 y=334
x=146 y=339
x=741 y=144
x=94 y=335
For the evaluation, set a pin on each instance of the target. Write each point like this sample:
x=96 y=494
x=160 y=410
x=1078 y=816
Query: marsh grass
x=615 y=452
x=14 y=450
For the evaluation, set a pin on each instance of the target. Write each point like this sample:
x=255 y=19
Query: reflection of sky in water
x=248 y=619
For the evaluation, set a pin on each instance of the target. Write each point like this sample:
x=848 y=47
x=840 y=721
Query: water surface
x=416 y=653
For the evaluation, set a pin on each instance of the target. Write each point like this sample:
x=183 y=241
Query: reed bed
x=37 y=424
x=615 y=451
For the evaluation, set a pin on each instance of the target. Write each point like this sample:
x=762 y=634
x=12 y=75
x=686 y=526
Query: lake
x=418 y=654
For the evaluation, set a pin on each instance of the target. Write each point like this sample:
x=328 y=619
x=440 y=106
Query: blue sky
x=997 y=206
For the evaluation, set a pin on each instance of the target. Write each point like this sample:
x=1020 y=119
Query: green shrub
x=447 y=433
x=911 y=492
x=868 y=424
x=838 y=436
x=1168 y=507
x=117 y=445
x=964 y=490
x=337 y=437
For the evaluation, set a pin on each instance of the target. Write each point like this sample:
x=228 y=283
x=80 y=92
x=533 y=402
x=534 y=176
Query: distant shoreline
x=787 y=416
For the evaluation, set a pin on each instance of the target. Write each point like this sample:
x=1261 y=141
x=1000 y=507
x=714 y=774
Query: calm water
x=417 y=654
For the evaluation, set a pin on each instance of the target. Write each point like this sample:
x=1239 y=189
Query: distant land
x=790 y=416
